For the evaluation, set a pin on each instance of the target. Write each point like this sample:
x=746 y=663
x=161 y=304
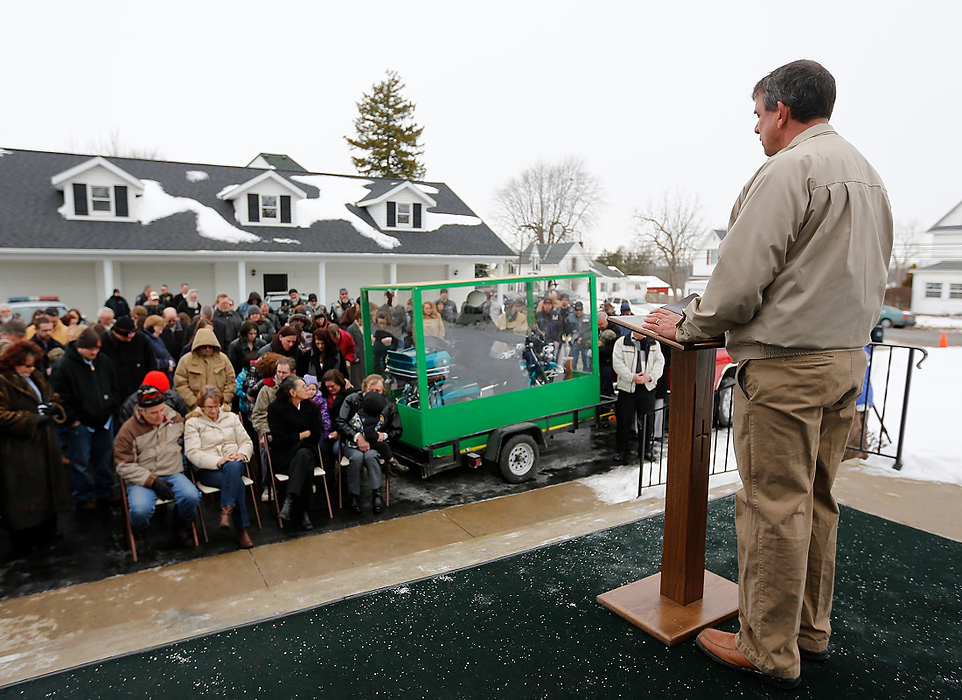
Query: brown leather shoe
x=244 y=540
x=720 y=647
x=225 y=513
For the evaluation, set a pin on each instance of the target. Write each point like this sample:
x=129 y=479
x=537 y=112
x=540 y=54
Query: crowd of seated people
x=86 y=392
x=157 y=396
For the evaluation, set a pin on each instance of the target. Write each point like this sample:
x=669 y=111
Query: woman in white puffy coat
x=217 y=445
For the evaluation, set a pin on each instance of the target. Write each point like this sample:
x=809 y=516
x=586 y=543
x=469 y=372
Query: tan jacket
x=804 y=265
x=207 y=441
x=259 y=413
x=142 y=452
x=195 y=372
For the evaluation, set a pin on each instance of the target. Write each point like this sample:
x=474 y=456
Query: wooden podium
x=684 y=598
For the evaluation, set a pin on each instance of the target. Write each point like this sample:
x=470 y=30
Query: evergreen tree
x=386 y=133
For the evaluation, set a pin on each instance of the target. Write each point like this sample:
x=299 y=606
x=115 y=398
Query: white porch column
x=108 y=280
x=241 y=283
x=322 y=297
x=392 y=273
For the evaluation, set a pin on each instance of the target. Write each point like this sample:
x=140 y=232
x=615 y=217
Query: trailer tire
x=723 y=403
x=519 y=459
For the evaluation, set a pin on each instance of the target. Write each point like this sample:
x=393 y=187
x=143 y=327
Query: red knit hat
x=158 y=380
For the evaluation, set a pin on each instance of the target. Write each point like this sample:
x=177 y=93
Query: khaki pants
x=792 y=416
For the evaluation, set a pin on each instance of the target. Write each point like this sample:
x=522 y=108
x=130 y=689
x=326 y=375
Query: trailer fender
x=498 y=436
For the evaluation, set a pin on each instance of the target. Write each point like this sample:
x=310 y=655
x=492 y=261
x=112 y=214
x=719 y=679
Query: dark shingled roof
x=550 y=253
x=30 y=220
x=279 y=161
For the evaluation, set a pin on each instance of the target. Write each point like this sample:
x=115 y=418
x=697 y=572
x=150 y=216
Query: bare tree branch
x=670 y=229
x=549 y=203
x=906 y=251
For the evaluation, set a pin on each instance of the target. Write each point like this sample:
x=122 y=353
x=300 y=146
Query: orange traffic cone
x=944 y=341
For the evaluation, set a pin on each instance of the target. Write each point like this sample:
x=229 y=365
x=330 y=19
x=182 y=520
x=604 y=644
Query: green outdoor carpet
x=529 y=627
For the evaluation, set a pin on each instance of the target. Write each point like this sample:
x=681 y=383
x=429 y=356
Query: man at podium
x=796 y=291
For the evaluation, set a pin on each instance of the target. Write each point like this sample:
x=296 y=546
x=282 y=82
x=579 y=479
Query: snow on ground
x=939 y=322
x=157 y=204
x=931 y=450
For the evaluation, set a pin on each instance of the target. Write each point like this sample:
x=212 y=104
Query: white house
x=78 y=226
x=704 y=260
x=562 y=258
x=937 y=281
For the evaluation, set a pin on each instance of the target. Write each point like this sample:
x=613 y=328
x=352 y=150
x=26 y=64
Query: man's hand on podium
x=662 y=322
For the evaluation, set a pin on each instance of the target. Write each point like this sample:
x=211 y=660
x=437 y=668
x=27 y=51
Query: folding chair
x=342 y=462
x=276 y=478
x=206 y=490
x=129 y=531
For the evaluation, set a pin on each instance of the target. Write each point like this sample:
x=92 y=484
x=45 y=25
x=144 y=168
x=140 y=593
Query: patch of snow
x=292 y=241
x=330 y=205
x=196 y=176
x=437 y=220
x=427 y=189
x=224 y=192
x=156 y=204
x=4 y=152
x=938 y=322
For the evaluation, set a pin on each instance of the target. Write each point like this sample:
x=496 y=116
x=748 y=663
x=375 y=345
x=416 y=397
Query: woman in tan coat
x=217 y=445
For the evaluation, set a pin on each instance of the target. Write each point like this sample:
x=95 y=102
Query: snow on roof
x=157 y=204
x=196 y=176
x=330 y=204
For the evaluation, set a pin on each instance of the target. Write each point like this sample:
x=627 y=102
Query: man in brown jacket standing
x=797 y=290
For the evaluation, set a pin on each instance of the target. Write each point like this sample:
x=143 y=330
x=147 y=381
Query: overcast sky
x=650 y=97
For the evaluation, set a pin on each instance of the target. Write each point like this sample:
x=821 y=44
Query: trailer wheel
x=723 y=403
x=519 y=459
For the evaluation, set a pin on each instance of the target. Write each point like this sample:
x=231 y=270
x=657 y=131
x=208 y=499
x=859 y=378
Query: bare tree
x=113 y=145
x=906 y=251
x=549 y=203
x=669 y=229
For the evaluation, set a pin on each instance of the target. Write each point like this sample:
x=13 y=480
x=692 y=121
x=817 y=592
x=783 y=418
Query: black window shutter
x=417 y=215
x=80 y=199
x=391 y=214
x=120 y=197
x=253 y=207
x=285 y=209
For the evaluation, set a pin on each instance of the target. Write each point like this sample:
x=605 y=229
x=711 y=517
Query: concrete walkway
x=60 y=629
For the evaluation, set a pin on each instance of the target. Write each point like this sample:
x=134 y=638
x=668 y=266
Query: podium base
x=642 y=604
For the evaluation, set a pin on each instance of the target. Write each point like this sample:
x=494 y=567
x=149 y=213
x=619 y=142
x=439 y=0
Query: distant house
x=556 y=258
x=704 y=260
x=78 y=226
x=937 y=281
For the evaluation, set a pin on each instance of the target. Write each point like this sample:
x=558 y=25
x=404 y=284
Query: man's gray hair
x=602 y=316
x=805 y=87
x=207 y=311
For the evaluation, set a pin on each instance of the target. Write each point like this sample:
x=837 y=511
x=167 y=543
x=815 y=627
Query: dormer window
x=98 y=189
x=403 y=215
x=398 y=205
x=270 y=200
x=269 y=206
x=100 y=199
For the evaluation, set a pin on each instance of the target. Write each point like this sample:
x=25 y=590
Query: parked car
x=892 y=316
x=26 y=306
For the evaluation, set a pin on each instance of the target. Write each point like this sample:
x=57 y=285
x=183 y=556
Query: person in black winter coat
x=358 y=450
x=130 y=353
x=86 y=380
x=295 y=430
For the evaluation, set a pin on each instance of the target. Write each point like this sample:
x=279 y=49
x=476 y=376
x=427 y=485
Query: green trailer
x=487 y=384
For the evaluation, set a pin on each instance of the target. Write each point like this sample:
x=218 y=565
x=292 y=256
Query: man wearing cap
x=86 y=382
x=340 y=307
x=580 y=325
x=148 y=456
x=117 y=304
x=130 y=352
x=158 y=380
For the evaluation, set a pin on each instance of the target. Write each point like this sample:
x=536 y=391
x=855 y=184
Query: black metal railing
x=875 y=432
